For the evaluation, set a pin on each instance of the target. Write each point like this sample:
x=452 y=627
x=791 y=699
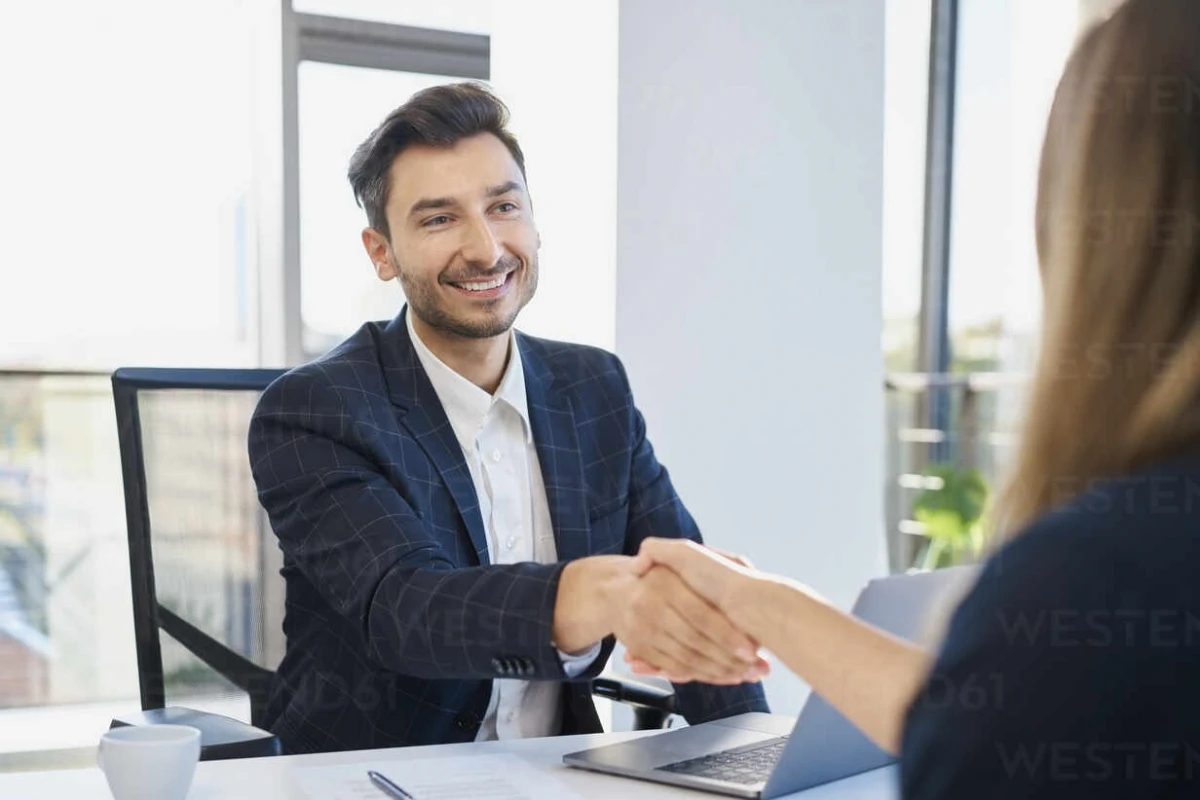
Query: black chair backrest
x=203 y=563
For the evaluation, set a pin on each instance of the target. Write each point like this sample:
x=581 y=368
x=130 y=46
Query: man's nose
x=481 y=245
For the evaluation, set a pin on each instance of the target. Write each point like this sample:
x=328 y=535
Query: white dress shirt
x=497 y=443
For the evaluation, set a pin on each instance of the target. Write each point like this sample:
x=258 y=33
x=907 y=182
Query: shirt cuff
x=575 y=666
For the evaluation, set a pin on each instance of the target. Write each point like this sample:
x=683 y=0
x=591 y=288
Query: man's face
x=463 y=240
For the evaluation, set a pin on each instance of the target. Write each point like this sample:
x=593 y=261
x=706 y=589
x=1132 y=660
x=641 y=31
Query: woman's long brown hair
x=1117 y=385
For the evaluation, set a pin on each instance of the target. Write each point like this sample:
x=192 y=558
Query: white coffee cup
x=149 y=761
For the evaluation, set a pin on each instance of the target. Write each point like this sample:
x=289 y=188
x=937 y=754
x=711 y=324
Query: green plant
x=952 y=515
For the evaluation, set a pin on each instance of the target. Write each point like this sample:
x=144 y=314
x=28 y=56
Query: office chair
x=208 y=598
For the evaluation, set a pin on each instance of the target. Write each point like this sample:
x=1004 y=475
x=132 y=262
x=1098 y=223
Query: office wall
x=749 y=223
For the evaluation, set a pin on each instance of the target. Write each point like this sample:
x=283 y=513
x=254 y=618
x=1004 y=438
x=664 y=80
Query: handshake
x=679 y=608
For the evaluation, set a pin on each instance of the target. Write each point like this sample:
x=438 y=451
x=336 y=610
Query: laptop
x=769 y=755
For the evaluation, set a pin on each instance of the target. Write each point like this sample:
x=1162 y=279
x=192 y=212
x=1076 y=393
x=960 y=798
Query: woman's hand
x=870 y=676
x=723 y=579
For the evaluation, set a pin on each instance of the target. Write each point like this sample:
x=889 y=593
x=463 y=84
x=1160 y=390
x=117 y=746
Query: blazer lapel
x=554 y=435
x=421 y=413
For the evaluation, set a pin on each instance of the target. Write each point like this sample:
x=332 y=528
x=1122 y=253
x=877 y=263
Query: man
x=458 y=505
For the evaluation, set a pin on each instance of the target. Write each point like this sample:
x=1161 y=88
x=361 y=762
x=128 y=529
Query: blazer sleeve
x=656 y=510
x=375 y=561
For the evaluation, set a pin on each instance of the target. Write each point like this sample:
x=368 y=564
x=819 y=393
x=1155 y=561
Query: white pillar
x=749 y=230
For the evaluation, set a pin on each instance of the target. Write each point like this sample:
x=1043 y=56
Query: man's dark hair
x=437 y=117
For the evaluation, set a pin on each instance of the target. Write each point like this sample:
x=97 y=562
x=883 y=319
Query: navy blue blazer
x=396 y=623
x=1070 y=670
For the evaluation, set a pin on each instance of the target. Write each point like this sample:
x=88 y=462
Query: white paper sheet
x=452 y=778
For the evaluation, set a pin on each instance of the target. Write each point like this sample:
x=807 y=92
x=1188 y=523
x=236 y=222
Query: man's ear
x=380 y=253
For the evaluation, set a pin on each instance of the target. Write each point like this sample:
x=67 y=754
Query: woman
x=1072 y=667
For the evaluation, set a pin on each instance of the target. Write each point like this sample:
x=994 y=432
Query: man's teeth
x=483 y=287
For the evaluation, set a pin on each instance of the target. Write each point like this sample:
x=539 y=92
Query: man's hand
x=657 y=617
x=716 y=576
x=665 y=624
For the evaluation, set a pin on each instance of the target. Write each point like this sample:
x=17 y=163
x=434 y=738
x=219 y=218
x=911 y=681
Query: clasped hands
x=680 y=617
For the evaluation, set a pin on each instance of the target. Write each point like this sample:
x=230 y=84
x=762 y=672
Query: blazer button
x=464 y=722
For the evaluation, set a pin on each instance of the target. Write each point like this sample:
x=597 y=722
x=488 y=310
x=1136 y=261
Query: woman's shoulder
x=1146 y=524
x=1100 y=585
x=1076 y=634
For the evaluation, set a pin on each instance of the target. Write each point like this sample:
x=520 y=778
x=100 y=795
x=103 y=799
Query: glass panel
x=339 y=107
x=126 y=165
x=209 y=537
x=66 y=620
x=906 y=101
x=467 y=16
x=1011 y=55
x=66 y=632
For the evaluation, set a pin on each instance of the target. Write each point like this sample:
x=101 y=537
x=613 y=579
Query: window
x=1011 y=55
x=575 y=198
x=339 y=106
x=906 y=102
x=127 y=165
x=340 y=80
x=128 y=238
x=1001 y=62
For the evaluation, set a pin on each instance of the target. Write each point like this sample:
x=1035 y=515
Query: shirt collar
x=467 y=405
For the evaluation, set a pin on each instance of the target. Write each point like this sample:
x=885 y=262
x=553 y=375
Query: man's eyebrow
x=503 y=188
x=430 y=203
x=435 y=203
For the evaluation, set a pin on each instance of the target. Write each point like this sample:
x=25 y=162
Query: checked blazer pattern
x=396 y=623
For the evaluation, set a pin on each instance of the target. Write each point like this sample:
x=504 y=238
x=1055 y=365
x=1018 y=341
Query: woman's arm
x=867 y=674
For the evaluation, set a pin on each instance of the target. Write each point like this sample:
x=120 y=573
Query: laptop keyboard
x=741 y=765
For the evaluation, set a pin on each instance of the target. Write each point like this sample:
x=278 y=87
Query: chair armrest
x=220 y=736
x=633 y=692
x=653 y=703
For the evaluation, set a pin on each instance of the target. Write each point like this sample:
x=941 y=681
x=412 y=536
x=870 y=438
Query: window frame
x=345 y=42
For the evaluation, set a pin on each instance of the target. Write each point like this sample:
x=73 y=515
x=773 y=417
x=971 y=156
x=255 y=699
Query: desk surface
x=270 y=778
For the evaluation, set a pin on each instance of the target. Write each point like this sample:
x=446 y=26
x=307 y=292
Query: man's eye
x=506 y=207
x=440 y=219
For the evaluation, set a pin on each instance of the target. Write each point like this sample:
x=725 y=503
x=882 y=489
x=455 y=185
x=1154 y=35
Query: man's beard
x=424 y=302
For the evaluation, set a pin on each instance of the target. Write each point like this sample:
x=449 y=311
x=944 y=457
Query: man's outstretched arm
x=378 y=565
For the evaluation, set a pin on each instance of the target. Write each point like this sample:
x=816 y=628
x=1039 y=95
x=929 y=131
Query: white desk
x=270 y=778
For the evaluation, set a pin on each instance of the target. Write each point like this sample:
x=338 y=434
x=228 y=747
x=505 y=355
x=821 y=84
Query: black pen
x=387 y=786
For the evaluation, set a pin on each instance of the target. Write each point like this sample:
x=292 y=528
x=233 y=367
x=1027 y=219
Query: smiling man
x=457 y=503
